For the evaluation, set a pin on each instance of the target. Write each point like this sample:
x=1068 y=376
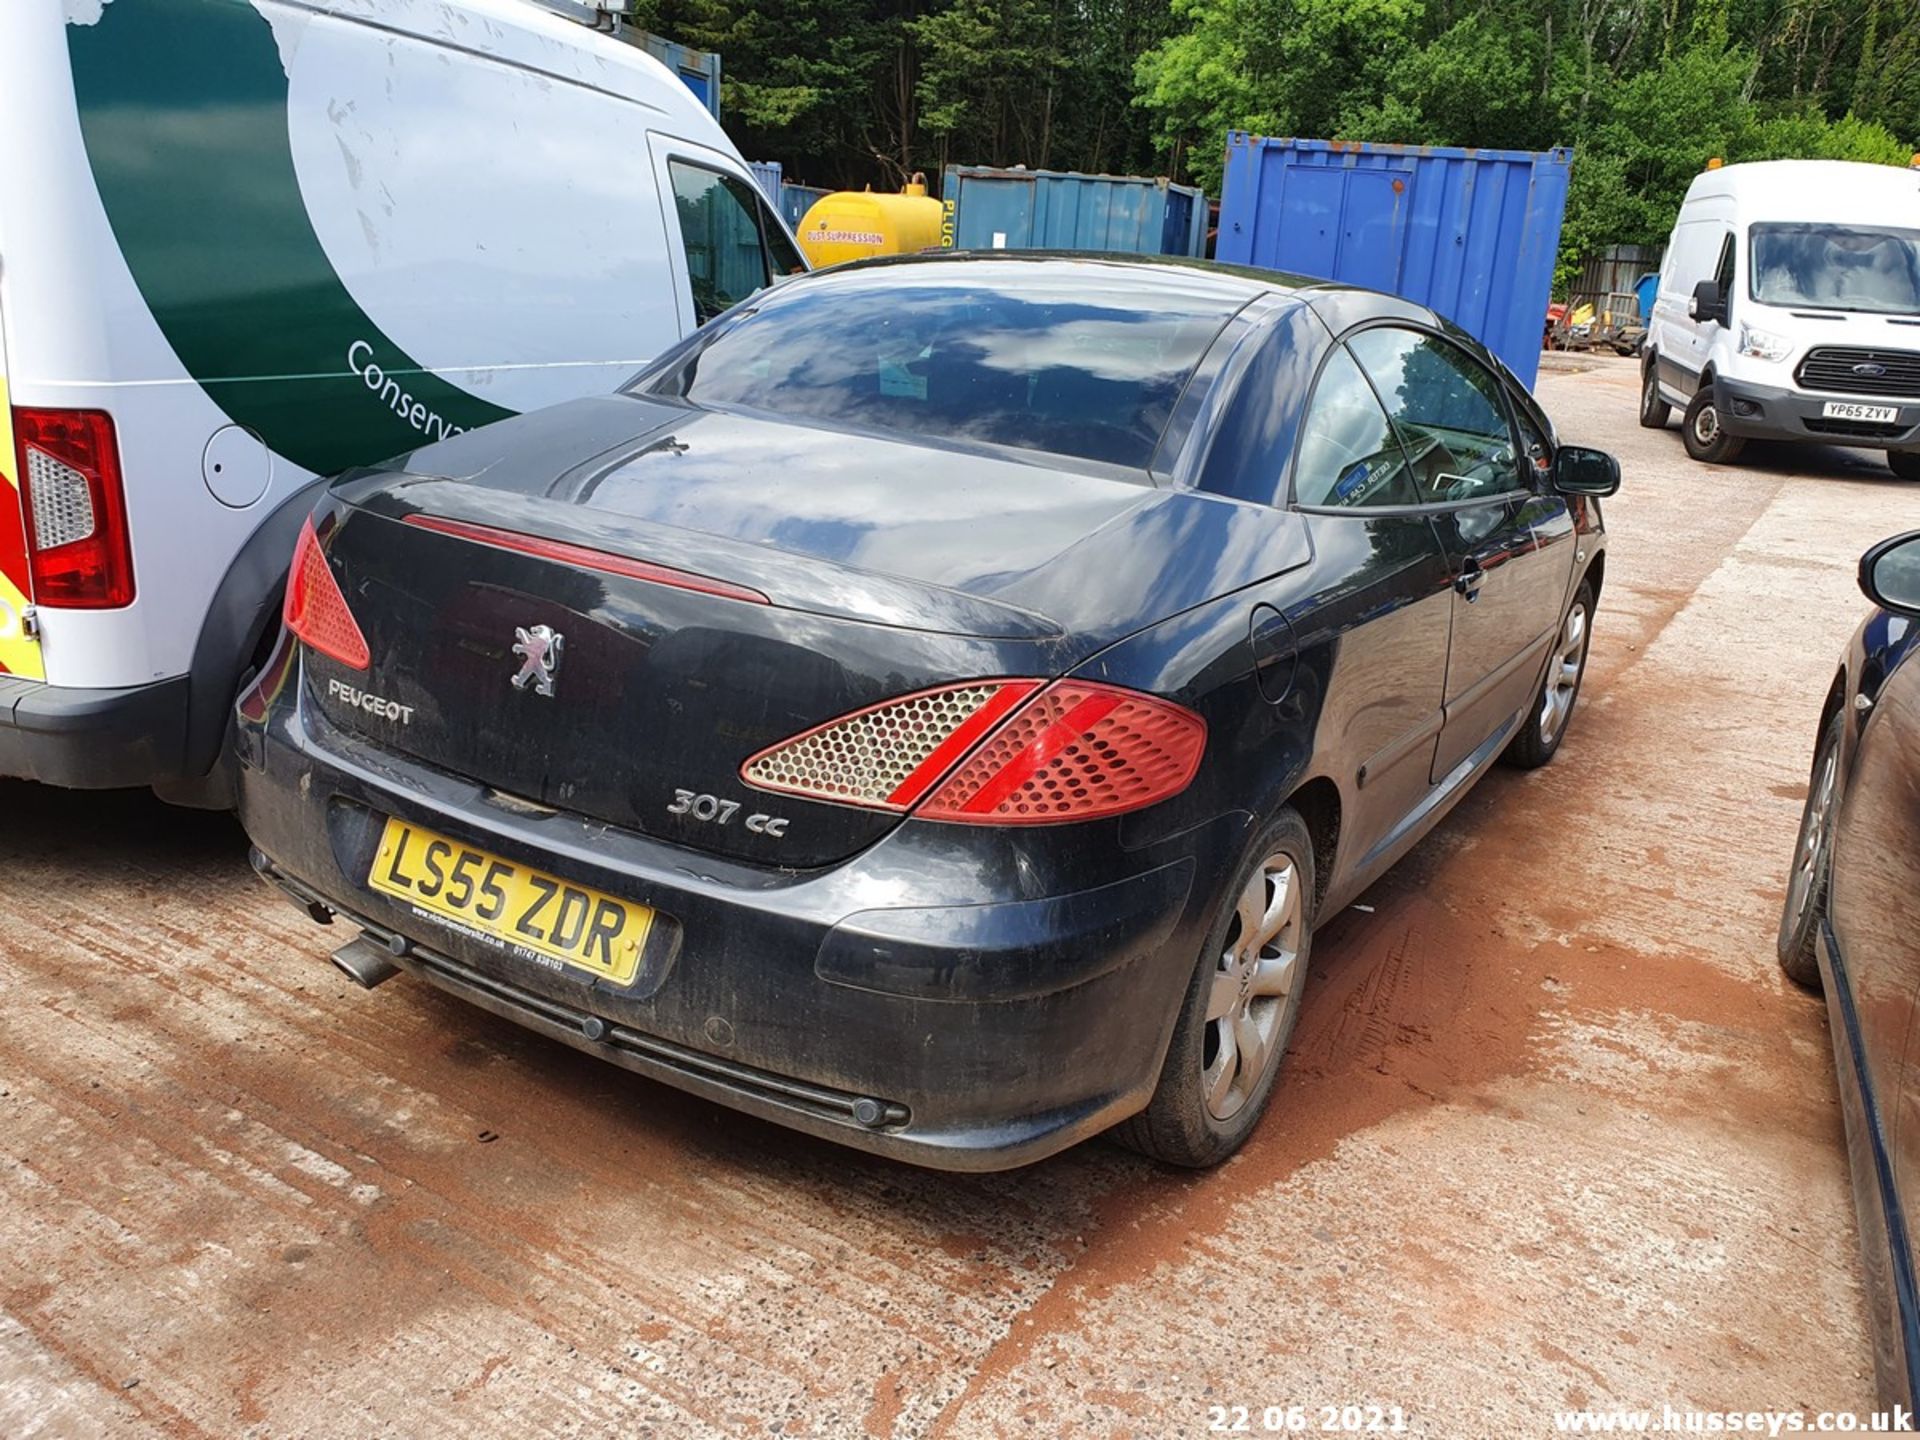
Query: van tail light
x=80 y=554
x=316 y=611
x=995 y=752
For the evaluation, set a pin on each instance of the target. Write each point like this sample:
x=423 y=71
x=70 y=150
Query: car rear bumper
x=924 y=1000
x=1769 y=412
x=92 y=739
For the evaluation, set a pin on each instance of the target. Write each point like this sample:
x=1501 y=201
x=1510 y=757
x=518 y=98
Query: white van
x=246 y=243
x=1789 y=309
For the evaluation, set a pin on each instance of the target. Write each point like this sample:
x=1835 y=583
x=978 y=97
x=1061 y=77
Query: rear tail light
x=1077 y=751
x=81 y=556
x=889 y=755
x=316 y=611
x=1026 y=754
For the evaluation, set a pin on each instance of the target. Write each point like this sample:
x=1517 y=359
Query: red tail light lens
x=888 y=755
x=1033 y=756
x=1076 y=752
x=76 y=508
x=316 y=611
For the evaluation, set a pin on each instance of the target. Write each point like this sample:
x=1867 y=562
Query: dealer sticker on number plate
x=527 y=910
x=1852 y=410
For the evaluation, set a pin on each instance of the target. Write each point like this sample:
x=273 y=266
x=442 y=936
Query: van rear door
x=19 y=648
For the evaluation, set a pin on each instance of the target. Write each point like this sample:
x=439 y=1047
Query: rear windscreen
x=1066 y=365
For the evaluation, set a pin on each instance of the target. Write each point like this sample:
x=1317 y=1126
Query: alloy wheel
x=1254 y=986
x=1810 y=858
x=1563 y=674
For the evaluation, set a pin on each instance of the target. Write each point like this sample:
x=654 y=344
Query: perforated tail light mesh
x=316 y=611
x=61 y=498
x=1027 y=755
x=1077 y=752
x=888 y=755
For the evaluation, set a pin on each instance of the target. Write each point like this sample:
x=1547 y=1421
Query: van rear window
x=1065 y=370
x=1837 y=267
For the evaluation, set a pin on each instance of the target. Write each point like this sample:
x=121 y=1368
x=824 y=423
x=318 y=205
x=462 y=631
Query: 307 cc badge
x=711 y=809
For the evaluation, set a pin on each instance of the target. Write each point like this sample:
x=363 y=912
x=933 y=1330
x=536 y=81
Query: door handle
x=1467 y=582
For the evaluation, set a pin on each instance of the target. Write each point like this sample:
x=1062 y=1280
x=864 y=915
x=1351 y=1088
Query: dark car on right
x=1851 y=926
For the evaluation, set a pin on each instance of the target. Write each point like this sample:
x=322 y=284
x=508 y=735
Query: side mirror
x=1707 y=302
x=1890 y=574
x=1580 y=471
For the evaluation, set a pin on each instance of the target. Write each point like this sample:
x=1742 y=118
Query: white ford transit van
x=1789 y=309
x=247 y=243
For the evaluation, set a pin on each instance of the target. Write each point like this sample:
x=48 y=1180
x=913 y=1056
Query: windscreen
x=1069 y=366
x=1838 y=267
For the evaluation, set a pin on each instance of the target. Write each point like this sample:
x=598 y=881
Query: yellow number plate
x=519 y=906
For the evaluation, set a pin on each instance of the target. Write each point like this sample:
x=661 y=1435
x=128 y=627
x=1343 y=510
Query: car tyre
x=1904 y=463
x=1654 y=412
x=1540 y=734
x=1806 y=901
x=1244 y=998
x=1700 y=430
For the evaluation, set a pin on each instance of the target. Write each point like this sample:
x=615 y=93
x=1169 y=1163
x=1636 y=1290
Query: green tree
x=859 y=92
x=1645 y=92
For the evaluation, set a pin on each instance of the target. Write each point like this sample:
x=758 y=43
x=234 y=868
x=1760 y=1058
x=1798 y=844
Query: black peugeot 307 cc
x=931 y=707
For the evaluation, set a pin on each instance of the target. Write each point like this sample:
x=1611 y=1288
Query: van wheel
x=1701 y=431
x=1239 y=1010
x=1654 y=412
x=1904 y=463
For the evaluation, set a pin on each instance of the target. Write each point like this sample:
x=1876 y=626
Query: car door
x=1507 y=537
x=1873 y=901
x=1380 y=591
x=1873 y=906
x=723 y=241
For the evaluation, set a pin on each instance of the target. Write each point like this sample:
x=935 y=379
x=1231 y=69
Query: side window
x=786 y=259
x=726 y=249
x=1447 y=409
x=1535 y=449
x=1723 y=276
x=1347 y=455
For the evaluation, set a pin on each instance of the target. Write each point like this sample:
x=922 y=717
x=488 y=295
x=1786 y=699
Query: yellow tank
x=856 y=225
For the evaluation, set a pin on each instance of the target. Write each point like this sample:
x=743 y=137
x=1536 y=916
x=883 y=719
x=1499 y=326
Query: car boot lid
x=989 y=544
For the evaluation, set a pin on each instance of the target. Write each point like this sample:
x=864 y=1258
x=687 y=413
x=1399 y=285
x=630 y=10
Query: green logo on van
x=183 y=106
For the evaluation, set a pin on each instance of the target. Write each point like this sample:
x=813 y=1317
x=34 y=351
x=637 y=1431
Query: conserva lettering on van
x=426 y=421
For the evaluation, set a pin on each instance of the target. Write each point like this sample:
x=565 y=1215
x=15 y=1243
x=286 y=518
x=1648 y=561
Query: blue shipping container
x=766 y=174
x=988 y=209
x=796 y=200
x=1469 y=233
x=699 y=70
x=1644 y=290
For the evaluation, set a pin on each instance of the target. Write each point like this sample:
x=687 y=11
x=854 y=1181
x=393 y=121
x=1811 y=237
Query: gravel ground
x=1554 y=1133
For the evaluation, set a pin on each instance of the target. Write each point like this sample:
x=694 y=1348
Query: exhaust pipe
x=365 y=963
